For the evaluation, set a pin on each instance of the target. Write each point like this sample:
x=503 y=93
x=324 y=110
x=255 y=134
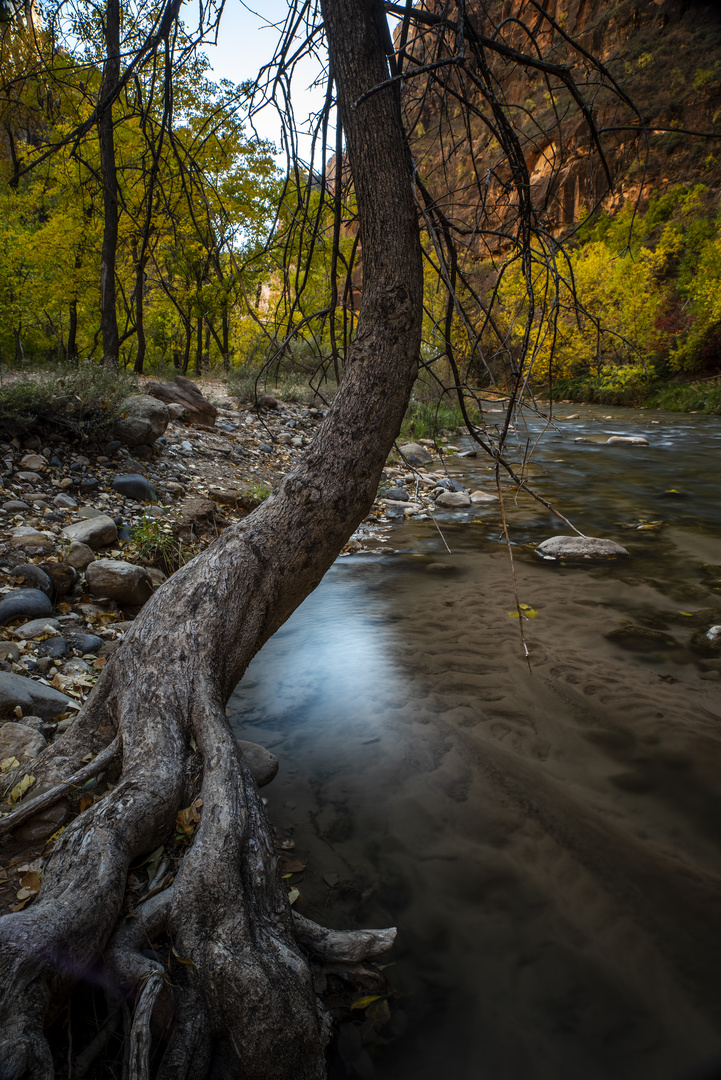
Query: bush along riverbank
x=626 y=386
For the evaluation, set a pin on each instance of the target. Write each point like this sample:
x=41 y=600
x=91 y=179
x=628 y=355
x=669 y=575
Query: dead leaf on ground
x=364 y=1002
x=19 y=790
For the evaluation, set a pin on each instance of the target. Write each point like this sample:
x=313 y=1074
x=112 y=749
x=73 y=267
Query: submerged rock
x=580 y=547
x=641 y=638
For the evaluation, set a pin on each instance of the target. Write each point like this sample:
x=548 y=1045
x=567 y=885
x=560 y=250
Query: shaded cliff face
x=664 y=55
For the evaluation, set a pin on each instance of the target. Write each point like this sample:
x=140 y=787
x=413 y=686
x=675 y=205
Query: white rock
x=579 y=547
x=482 y=498
x=627 y=440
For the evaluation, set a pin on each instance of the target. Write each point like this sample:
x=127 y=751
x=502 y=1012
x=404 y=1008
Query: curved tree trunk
x=248 y=992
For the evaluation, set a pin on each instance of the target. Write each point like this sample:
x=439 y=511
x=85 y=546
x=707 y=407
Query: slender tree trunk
x=111 y=76
x=225 y=331
x=199 y=346
x=139 y=296
x=246 y=994
x=73 y=332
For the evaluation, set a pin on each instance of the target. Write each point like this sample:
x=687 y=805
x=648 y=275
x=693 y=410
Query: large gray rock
x=79 y=556
x=580 y=547
x=395 y=494
x=32 y=697
x=96 y=532
x=134 y=486
x=453 y=500
x=183 y=392
x=145 y=419
x=416 y=454
x=262 y=764
x=27 y=603
x=121 y=581
x=20 y=741
x=483 y=498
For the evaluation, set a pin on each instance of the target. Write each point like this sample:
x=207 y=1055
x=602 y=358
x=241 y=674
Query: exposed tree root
x=239 y=1002
x=31 y=807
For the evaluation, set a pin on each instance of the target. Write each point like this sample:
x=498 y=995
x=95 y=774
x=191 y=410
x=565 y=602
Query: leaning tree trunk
x=159 y=705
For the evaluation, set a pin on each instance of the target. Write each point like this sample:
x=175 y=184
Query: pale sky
x=245 y=43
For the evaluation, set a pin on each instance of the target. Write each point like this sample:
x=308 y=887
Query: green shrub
x=79 y=403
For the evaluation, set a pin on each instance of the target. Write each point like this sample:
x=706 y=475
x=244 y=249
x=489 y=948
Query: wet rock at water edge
x=262 y=764
x=580 y=547
x=453 y=500
x=707 y=642
x=96 y=532
x=20 y=741
x=641 y=638
x=124 y=582
x=395 y=494
x=416 y=454
x=32 y=697
x=135 y=486
x=79 y=556
x=482 y=498
x=24 y=603
x=33 y=577
x=394 y=511
x=627 y=440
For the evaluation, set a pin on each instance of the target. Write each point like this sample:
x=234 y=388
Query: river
x=546 y=840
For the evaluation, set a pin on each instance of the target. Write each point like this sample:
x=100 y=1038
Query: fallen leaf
x=183 y=959
x=293 y=895
x=364 y=1002
x=19 y=790
x=85 y=802
x=8 y=764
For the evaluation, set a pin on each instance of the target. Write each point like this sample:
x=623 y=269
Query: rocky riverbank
x=87 y=536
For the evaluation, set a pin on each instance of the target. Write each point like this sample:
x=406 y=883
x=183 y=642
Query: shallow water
x=547 y=841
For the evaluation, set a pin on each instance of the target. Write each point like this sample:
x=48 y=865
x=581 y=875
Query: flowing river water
x=546 y=840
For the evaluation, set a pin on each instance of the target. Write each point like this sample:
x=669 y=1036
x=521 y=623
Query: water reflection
x=547 y=842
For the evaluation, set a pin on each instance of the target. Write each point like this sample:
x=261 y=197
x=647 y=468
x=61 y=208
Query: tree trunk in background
x=111 y=76
x=244 y=1004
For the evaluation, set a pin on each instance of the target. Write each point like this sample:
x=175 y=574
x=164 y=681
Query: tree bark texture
x=111 y=77
x=248 y=994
